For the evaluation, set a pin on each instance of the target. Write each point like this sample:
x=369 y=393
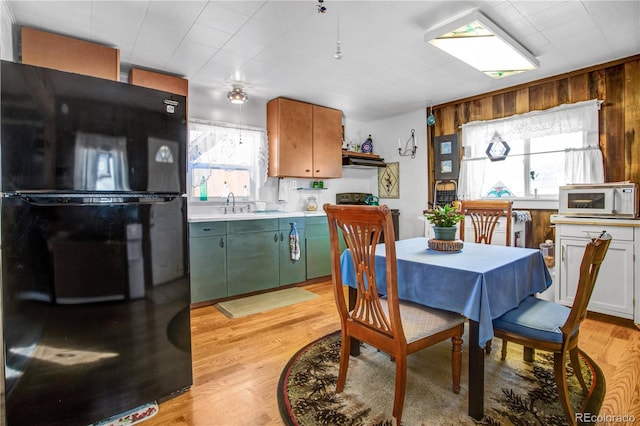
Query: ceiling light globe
x=237 y=96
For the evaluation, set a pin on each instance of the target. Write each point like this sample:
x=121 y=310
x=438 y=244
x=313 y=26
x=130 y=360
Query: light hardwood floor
x=237 y=362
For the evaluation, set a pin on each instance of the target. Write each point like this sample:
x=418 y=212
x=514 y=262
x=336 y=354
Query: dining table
x=480 y=281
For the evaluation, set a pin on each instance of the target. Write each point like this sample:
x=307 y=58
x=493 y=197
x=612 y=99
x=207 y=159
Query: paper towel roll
x=283 y=190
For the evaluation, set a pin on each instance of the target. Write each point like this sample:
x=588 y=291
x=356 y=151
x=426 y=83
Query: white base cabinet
x=615 y=288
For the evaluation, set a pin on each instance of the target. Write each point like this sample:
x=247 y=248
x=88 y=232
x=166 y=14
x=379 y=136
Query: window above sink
x=224 y=159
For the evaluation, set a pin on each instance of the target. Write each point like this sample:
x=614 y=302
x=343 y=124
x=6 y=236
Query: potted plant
x=444 y=220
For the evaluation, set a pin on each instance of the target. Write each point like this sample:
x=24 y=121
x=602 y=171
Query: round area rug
x=516 y=392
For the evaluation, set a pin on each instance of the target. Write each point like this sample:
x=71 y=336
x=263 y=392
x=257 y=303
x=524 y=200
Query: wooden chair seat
x=396 y=327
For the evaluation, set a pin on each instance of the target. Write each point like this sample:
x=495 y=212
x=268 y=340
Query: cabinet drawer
x=285 y=222
x=207 y=229
x=317 y=220
x=242 y=226
x=619 y=233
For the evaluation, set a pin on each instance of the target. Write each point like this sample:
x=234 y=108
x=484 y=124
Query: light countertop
x=219 y=217
x=594 y=220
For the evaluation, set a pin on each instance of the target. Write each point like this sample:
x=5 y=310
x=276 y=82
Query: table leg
x=476 y=373
x=355 y=343
x=529 y=354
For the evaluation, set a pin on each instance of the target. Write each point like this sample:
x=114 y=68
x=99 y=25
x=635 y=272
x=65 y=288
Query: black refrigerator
x=95 y=283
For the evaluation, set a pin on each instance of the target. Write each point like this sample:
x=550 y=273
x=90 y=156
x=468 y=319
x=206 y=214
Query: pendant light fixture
x=237 y=96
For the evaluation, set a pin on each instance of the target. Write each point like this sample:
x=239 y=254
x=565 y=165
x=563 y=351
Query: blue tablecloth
x=480 y=282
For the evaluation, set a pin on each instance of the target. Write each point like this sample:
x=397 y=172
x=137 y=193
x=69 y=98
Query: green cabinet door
x=252 y=255
x=208 y=261
x=292 y=271
x=317 y=247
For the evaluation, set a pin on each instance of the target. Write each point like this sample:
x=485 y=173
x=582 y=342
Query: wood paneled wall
x=616 y=83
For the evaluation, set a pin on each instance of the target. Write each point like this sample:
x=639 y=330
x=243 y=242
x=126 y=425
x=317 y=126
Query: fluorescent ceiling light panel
x=474 y=39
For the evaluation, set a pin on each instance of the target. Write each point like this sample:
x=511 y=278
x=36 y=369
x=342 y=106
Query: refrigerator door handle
x=91 y=199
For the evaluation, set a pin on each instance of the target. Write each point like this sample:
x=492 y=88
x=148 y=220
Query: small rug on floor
x=516 y=392
x=264 y=302
x=131 y=417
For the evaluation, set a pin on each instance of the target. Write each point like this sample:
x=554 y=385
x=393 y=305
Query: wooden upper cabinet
x=290 y=134
x=327 y=142
x=49 y=50
x=159 y=81
x=304 y=139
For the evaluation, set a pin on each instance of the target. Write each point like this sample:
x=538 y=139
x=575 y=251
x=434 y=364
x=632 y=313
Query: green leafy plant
x=444 y=216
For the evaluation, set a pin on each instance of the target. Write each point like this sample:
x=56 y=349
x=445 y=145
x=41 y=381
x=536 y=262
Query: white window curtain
x=582 y=165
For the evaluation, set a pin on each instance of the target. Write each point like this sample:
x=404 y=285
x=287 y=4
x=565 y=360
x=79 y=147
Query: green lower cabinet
x=252 y=255
x=238 y=257
x=318 y=247
x=292 y=271
x=208 y=261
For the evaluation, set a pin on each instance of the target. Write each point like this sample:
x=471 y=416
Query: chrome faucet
x=233 y=206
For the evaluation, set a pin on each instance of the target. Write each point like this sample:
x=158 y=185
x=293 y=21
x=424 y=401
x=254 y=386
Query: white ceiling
x=286 y=48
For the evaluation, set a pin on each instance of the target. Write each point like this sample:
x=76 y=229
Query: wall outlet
x=294 y=184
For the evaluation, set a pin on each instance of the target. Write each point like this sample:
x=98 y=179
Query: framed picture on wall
x=446 y=157
x=389 y=181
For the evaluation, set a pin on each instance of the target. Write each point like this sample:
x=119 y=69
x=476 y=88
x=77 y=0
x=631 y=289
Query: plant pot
x=447 y=233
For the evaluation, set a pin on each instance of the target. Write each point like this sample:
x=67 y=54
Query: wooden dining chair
x=387 y=323
x=547 y=326
x=484 y=215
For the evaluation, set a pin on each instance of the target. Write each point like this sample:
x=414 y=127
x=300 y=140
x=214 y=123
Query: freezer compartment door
x=63 y=131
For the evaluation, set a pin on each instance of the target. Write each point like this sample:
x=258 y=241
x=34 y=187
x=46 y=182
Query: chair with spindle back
x=387 y=323
x=484 y=216
x=548 y=326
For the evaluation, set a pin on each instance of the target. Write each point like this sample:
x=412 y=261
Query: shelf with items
x=346 y=153
x=311 y=189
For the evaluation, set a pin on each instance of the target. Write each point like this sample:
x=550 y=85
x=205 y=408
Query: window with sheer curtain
x=530 y=155
x=225 y=159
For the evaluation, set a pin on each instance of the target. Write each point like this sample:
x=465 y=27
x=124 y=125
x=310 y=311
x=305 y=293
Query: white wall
x=6 y=26
x=413 y=172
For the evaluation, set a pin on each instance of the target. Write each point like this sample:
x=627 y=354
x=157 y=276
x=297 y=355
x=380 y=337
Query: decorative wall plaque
x=446 y=157
x=497 y=149
x=389 y=181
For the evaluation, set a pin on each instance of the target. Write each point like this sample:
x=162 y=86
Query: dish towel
x=522 y=215
x=294 y=243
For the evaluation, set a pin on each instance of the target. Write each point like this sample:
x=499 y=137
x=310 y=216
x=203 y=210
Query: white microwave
x=618 y=199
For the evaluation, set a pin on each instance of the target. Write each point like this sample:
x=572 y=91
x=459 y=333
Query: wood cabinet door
x=159 y=81
x=69 y=54
x=289 y=129
x=327 y=142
